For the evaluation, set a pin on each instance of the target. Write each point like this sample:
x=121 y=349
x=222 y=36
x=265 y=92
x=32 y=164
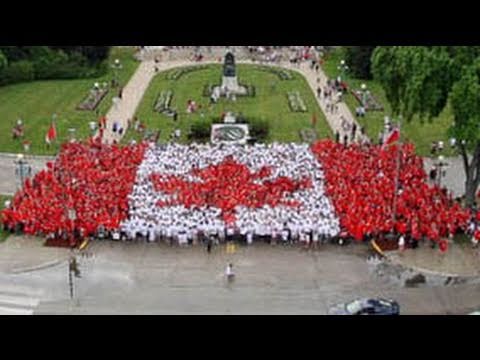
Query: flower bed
x=164 y=101
x=176 y=74
x=281 y=73
x=296 y=102
x=372 y=103
x=93 y=100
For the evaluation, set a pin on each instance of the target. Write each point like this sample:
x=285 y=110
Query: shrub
x=20 y=71
x=3 y=61
x=259 y=129
x=200 y=131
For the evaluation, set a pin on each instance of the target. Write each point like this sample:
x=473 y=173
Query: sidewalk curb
x=34 y=157
x=38 y=267
x=436 y=276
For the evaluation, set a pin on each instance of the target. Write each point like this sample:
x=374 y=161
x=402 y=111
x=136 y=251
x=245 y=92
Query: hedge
x=20 y=71
x=200 y=131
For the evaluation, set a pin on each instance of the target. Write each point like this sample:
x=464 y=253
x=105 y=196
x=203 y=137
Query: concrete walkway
x=133 y=94
x=22 y=254
x=8 y=180
x=134 y=91
x=334 y=120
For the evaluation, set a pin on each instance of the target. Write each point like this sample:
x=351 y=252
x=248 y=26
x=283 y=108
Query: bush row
x=48 y=64
x=281 y=73
x=176 y=74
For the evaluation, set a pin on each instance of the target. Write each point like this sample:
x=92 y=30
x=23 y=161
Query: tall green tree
x=422 y=80
x=3 y=61
x=359 y=60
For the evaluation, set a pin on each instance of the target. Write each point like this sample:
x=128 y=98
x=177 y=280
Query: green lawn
x=35 y=103
x=421 y=134
x=3 y=235
x=270 y=103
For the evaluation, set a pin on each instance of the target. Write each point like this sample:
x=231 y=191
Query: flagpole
x=397 y=174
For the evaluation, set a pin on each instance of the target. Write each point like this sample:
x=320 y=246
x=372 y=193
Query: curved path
x=139 y=83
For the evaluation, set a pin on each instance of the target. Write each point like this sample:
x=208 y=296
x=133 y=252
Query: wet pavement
x=129 y=278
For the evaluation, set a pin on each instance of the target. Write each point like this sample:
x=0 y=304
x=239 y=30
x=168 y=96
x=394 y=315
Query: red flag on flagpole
x=392 y=138
x=51 y=134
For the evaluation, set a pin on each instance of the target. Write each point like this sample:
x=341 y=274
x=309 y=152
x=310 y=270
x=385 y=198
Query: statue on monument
x=230 y=87
x=229 y=68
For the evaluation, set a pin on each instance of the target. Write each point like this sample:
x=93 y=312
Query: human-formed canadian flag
x=327 y=189
x=253 y=188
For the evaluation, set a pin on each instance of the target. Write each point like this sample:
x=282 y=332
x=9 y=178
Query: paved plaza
x=142 y=278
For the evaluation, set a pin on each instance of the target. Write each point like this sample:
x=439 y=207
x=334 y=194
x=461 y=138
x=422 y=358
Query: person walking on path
x=354 y=131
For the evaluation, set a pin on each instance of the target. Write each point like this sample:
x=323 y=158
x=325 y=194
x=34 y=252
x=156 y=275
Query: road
x=156 y=279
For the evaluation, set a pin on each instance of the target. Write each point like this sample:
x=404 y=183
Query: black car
x=367 y=307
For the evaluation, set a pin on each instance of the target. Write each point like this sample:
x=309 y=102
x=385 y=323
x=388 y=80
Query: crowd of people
x=362 y=181
x=84 y=189
x=285 y=192
x=276 y=190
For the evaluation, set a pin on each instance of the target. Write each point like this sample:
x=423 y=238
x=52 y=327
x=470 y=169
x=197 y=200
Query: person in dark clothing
x=209 y=245
x=175 y=116
x=345 y=140
x=337 y=137
x=354 y=131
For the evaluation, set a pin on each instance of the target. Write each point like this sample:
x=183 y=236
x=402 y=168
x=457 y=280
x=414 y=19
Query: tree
x=422 y=80
x=93 y=54
x=359 y=60
x=3 y=61
x=466 y=109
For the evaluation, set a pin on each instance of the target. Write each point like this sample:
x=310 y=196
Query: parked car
x=367 y=307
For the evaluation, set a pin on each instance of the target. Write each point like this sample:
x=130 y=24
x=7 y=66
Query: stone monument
x=230 y=87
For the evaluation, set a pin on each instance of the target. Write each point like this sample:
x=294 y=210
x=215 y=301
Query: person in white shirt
x=249 y=238
x=229 y=272
x=401 y=243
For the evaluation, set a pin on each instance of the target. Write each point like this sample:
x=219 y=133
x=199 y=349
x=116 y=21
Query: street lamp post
x=117 y=66
x=23 y=170
x=364 y=96
x=397 y=174
x=441 y=166
x=343 y=68
x=71 y=133
x=93 y=127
